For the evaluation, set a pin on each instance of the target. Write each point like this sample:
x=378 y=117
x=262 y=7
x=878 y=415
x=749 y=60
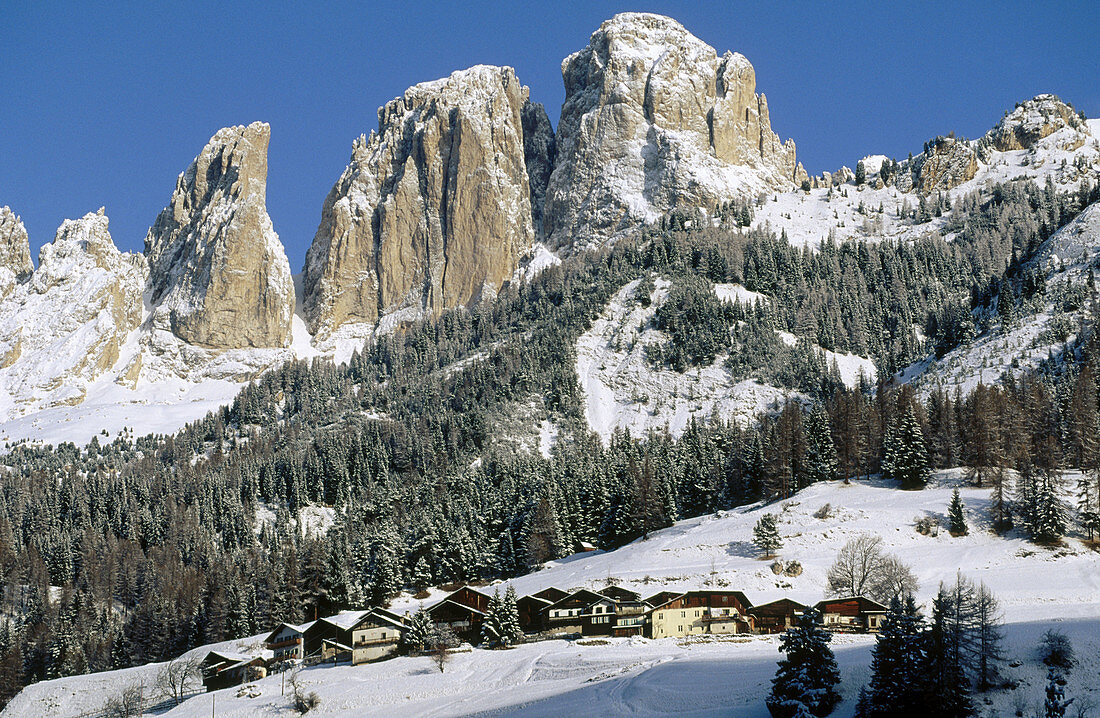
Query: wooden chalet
x=222 y=670
x=463 y=612
x=852 y=613
x=631 y=618
x=285 y=642
x=552 y=594
x=701 y=612
x=532 y=613
x=777 y=616
x=585 y=612
x=375 y=635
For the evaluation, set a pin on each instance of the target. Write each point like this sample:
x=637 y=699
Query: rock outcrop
x=1034 y=120
x=654 y=119
x=945 y=163
x=15 y=250
x=219 y=277
x=435 y=208
x=66 y=325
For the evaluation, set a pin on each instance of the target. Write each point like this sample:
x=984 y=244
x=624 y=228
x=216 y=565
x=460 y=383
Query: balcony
x=375 y=642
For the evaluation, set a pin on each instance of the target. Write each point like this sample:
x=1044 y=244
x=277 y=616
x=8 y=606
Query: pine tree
x=904 y=456
x=420 y=632
x=896 y=660
x=821 y=458
x=766 y=535
x=955 y=515
x=805 y=683
x=861 y=173
x=946 y=688
x=501 y=625
x=989 y=637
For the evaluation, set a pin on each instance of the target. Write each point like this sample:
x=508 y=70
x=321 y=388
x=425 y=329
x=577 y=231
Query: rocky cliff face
x=15 y=250
x=219 y=277
x=654 y=119
x=1034 y=120
x=65 y=326
x=946 y=163
x=434 y=209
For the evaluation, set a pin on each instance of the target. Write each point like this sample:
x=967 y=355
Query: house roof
x=583 y=595
x=620 y=594
x=346 y=619
x=535 y=599
x=866 y=605
x=776 y=603
x=281 y=626
x=741 y=597
x=552 y=593
x=463 y=606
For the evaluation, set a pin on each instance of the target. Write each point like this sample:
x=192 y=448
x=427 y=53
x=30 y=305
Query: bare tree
x=863 y=569
x=443 y=640
x=179 y=677
x=987 y=615
x=302 y=701
x=127 y=704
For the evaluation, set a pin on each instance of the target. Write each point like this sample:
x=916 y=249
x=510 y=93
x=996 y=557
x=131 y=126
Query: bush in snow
x=1056 y=651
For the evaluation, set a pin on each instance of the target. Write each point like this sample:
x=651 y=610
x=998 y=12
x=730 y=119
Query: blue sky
x=106 y=105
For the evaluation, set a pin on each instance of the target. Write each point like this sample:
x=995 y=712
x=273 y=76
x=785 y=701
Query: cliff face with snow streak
x=435 y=208
x=654 y=119
x=219 y=277
x=66 y=324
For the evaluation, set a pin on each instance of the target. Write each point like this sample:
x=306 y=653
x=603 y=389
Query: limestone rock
x=1034 y=120
x=653 y=119
x=15 y=250
x=66 y=325
x=435 y=209
x=945 y=164
x=219 y=277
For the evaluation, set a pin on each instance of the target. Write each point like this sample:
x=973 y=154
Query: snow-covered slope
x=1066 y=157
x=698 y=677
x=623 y=391
x=1064 y=259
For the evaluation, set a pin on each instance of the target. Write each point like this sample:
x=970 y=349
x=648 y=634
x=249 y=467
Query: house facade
x=777 y=616
x=700 y=613
x=376 y=635
x=852 y=613
x=285 y=642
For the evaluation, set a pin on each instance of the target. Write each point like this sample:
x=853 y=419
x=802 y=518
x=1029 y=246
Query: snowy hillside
x=700 y=677
x=623 y=391
x=1064 y=261
x=849 y=211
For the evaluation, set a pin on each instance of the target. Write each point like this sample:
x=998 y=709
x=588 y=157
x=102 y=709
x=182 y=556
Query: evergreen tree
x=501 y=624
x=904 y=456
x=420 y=632
x=861 y=173
x=821 y=456
x=766 y=535
x=946 y=688
x=956 y=516
x=896 y=661
x=805 y=683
